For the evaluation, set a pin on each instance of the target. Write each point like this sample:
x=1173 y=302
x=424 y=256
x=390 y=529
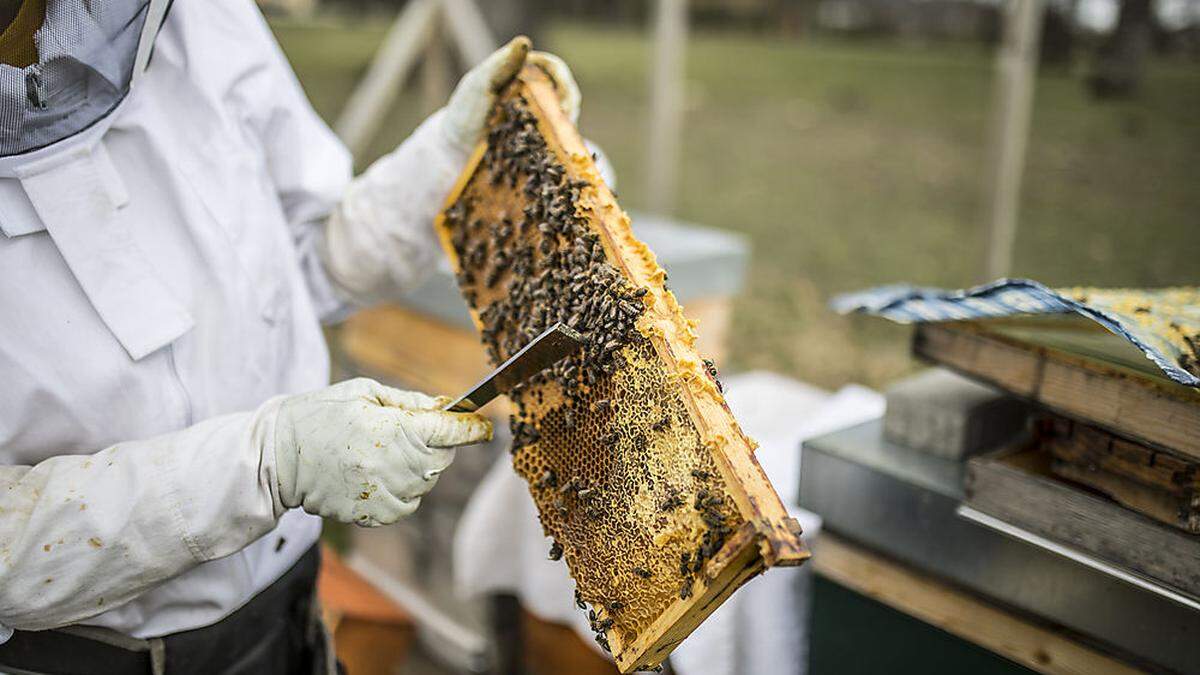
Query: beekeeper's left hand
x=379 y=240
x=476 y=93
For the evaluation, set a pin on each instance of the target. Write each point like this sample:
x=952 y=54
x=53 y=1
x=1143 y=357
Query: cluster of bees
x=574 y=490
x=537 y=267
x=528 y=267
x=716 y=530
x=557 y=269
x=600 y=625
x=577 y=493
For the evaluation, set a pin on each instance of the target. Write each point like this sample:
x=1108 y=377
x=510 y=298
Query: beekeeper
x=176 y=223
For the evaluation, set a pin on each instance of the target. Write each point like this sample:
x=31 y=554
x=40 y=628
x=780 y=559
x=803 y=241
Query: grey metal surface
x=903 y=503
x=700 y=262
x=545 y=350
x=1081 y=557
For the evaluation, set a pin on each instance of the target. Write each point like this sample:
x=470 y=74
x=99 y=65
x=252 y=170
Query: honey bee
x=549 y=479
x=710 y=367
x=570 y=486
x=671 y=502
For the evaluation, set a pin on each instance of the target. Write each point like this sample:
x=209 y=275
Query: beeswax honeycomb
x=639 y=472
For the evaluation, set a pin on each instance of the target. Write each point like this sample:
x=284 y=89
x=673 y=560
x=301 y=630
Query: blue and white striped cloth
x=1163 y=323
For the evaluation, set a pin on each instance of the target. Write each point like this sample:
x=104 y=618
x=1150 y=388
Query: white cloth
x=500 y=547
x=158 y=273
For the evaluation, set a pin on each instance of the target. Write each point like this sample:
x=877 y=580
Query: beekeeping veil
x=90 y=54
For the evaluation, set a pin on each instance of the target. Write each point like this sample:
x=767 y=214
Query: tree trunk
x=509 y=18
x=1121 y=61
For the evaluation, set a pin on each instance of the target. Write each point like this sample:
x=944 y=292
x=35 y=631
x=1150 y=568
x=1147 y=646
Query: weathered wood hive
x=641 y=475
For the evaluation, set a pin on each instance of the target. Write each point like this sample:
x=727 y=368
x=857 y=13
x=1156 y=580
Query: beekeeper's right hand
x=364 y=453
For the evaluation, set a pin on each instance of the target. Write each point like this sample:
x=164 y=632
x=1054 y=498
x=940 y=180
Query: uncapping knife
x=547 y=349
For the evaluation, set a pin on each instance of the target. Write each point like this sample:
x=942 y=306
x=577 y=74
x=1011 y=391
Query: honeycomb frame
x=695 y=440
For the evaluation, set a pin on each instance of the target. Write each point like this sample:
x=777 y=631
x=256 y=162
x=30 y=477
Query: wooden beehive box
x=640 y=473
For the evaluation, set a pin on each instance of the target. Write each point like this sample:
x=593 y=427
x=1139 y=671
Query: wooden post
x=418 y=30
x=1016 y=68
x=666 y=105
x=370 y=100
x=469 y=29
x=436 y=72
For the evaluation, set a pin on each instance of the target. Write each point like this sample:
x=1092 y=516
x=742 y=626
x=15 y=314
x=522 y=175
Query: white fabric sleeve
x=82 y=534
x=380 y=240
x=308 y=165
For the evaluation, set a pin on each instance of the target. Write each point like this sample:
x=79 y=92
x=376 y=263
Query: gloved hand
x=473 y=98
x=379 y=240
x=364 y=453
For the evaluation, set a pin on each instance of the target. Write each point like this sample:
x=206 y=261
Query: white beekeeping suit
x=166 y=257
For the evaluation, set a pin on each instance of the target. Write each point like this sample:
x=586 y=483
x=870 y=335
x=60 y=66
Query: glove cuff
x=279 y=463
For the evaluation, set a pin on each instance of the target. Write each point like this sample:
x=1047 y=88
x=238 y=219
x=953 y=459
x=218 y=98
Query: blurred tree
x=611 y=11
x=1121 y=60
x=508 y=18
x=1058 y=35
x=797 y=17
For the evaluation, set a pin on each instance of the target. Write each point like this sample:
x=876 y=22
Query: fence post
x=1016 y=70
x=666 y=104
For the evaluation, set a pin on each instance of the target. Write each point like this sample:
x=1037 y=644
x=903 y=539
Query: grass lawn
x=852 y=163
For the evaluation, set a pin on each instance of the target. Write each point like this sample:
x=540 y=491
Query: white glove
x=569 y=97
x=364 y=453
x=473 y=98
x=379 y=241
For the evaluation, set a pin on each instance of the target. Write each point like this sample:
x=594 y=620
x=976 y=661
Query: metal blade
x=547 y=349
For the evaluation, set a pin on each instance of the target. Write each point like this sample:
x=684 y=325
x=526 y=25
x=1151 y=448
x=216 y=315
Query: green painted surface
x=852 y=634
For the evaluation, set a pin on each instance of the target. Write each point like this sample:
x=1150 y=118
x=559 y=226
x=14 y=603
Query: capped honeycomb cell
x=641 y=476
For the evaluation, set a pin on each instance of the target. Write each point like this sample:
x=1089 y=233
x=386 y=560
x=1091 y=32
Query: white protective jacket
x=158 y=273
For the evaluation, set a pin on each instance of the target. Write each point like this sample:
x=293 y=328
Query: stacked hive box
x=1154 y=482
x=640 y=474
x=1107 y=419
